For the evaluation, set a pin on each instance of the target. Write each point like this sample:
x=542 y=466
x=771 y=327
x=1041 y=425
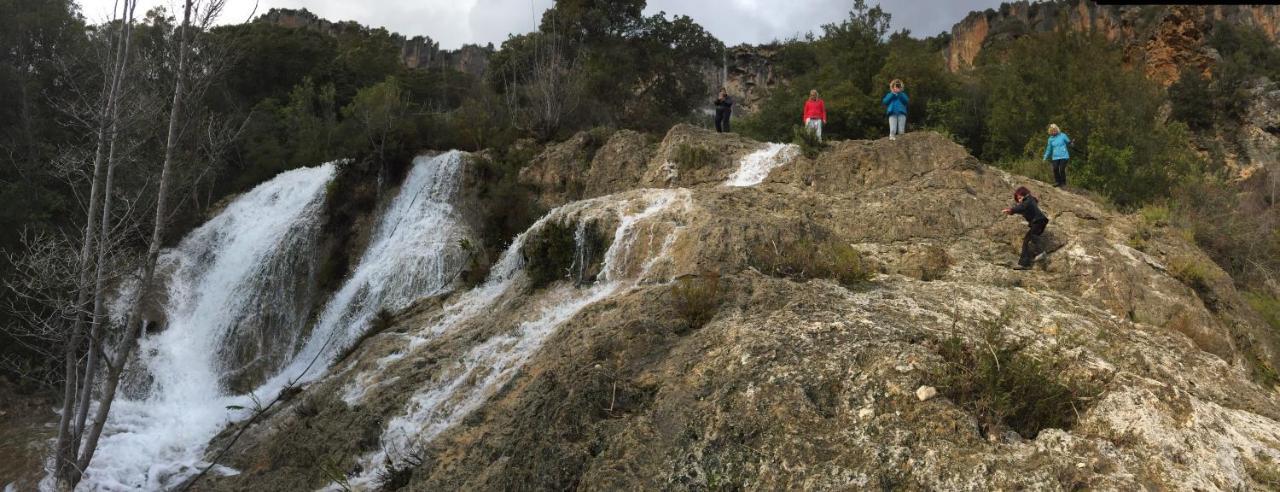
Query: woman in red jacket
x=815 y=113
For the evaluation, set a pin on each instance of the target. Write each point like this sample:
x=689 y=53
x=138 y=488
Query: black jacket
x=1029 y=209
x=724 y=104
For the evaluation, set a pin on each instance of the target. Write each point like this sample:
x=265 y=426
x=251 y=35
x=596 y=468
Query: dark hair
x=1021 y=192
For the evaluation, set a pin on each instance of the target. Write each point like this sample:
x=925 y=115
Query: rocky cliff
x=577 y=364
x=415 y=52
x=1161 y=39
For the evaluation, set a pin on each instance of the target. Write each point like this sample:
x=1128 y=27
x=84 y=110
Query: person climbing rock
x=1029 y=208
x=815 y=113
x=1056 y=148
x=724 y=109
x=895 y=104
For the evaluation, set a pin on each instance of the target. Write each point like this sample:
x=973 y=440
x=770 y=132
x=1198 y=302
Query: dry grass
x=696 y=299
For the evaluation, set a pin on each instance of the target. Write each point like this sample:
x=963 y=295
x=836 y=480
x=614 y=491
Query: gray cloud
x=454 y=22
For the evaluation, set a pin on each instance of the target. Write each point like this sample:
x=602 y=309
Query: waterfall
x=230 y=279
x=417 y=251
x=755 y=167
x=485 y=367
x=237 y=307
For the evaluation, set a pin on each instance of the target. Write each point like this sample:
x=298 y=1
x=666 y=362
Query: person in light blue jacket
x=895 y=103
x=1056 y=150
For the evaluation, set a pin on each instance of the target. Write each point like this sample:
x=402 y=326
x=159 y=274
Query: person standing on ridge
x=724 y=109
x=815 y=113
x=1056 y=149
x=895 y=103
x=1029 y=208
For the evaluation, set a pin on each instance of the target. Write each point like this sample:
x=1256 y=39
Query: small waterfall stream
x=485 y=367
x=755 y=167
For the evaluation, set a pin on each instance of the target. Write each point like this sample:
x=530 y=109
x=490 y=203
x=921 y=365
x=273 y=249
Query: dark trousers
x=1031 y=242
x=1060 y=172
x=722 y=121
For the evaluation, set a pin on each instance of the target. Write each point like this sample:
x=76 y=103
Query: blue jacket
x=896 y=103
x=1057 y=147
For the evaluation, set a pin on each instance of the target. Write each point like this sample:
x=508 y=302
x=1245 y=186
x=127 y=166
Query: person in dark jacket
x=724 y=109
x=1029 y=208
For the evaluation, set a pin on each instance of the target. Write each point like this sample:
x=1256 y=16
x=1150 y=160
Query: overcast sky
x=454 y=22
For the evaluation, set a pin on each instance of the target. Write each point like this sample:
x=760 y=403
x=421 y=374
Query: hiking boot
x=1040 y=257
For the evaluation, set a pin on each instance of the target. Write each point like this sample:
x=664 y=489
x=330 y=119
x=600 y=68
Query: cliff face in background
x=1160 y=38
x=415 y=52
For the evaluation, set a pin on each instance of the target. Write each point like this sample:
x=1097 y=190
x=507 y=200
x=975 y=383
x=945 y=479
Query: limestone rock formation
x=792 y=384
x=1161 y=39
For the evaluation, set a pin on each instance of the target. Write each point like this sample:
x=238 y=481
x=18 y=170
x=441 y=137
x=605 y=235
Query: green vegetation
x=1192 y=272
x=1005 y=386
x=552 y=253
x=696 y=299
x=817 y=254
x=808 y=141
x=1151 y=218
x=689 y=156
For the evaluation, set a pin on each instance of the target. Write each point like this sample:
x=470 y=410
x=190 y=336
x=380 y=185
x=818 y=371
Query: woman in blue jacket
x=895 y=103
x=1056 y=150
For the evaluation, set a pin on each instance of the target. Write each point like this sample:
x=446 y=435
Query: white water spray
x=489 y=365
x=755 y=167
x=224 y=274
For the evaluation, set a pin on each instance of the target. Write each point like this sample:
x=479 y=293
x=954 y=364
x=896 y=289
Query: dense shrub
x=696 y=299
x=1004 y=386
x=690 y=156
x=814 y=255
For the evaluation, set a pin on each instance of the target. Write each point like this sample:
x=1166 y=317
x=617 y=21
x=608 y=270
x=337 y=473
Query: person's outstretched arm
x=1048 y=146
x=822 y=105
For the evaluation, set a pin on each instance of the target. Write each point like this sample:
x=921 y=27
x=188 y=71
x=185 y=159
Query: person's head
x=723 y=92
x=1020 y=193
x=813 y=94
x=1053 y=129
x=895 y=85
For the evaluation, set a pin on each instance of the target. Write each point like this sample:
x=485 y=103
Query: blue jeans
x=897 y=124
x=814 y=125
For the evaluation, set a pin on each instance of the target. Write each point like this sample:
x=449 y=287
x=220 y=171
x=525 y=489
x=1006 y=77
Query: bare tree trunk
x=68 y=439
x=134 y=322
x=95 y=332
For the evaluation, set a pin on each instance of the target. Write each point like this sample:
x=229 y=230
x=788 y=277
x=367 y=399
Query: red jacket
x=815 y=109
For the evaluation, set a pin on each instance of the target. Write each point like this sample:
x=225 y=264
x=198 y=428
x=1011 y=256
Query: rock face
x=792 y=384
x=415 y=52
x=1161 y=39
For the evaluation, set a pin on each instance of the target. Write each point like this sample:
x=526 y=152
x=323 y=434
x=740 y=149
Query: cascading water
x=417 y=250
x=245 y=272
x=755 y=167
x=491 y=363
x=227 y=274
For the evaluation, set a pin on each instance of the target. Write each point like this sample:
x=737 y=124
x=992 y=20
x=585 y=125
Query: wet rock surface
x=793 y=384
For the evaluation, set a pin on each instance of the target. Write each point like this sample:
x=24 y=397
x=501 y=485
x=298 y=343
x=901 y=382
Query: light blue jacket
x=895 y=103
x=1056 y=147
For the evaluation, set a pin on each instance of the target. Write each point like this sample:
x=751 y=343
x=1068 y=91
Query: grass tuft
x=1004 y=386
x=696 y=299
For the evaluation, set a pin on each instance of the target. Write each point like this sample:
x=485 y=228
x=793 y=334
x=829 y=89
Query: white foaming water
x=754 y=167
x=489 y=365
x=417 y=251
x=224 y=270
x=221 y=271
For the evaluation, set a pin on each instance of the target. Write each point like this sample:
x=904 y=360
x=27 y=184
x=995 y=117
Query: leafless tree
x=68 y=436
x=552 y=88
